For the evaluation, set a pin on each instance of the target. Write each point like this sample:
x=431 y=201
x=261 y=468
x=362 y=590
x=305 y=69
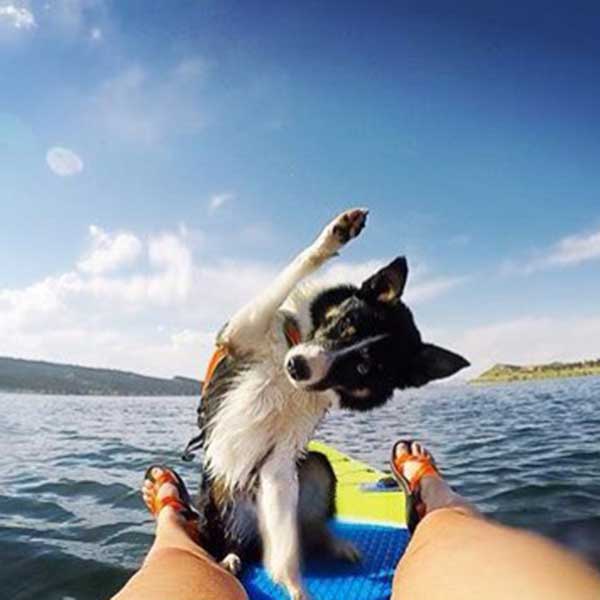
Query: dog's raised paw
x=339 y=232
x=232 y=563
x=349 y=224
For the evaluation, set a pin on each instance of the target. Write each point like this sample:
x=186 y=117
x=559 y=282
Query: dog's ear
x=433 y=362
x=387 y=284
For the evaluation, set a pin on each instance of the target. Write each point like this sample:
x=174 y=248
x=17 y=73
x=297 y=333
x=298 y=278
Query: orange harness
x=215 y=360
x=293 y=337
x=291 y=331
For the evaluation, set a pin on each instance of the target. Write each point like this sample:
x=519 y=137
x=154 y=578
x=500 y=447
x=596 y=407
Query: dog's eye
x=347 y=322
x=346 y=327
x=363 y=368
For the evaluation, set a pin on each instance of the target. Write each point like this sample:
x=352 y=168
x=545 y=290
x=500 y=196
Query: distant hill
x=32 y=376
x=505 y=373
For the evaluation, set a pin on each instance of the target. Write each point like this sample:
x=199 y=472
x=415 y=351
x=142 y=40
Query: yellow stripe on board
x=355 y=504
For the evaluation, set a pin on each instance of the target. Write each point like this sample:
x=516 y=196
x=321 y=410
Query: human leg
x=176 y=567
x=457 y=554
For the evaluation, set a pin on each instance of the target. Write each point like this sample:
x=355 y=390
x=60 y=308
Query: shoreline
x=516 y=378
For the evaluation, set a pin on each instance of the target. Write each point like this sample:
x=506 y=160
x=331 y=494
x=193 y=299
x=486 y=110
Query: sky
x=160 y=161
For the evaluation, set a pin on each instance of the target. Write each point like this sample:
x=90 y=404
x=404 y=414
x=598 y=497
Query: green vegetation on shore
x=505 y=373
x=37 y=377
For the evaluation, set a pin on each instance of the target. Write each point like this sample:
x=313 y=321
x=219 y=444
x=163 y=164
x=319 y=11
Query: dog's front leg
x=278 y=520
x=250 y=324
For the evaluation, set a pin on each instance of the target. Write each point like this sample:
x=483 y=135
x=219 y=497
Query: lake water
x=73 y=525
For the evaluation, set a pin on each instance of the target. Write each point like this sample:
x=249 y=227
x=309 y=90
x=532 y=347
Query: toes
x=148 y=500
x=156 y=472
x=400 y=449
x=417 y=449
x=168 y=490
x=153 y=491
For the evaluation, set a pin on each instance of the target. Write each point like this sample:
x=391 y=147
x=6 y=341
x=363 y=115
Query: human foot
x=166 y=497
x=415 y=470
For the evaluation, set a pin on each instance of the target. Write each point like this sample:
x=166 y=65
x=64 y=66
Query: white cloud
x=218 y=200
x=140 y=303
x=109 y=252
x=421 y=287
x=429 y=288
x=347 y=272
x=567 y=252
x=96 y=34
x=99 y=314
x=149 y=304
x=525 y=340
x=575 y=249
x=63 y=161
x=137 y=106
x=18 y=17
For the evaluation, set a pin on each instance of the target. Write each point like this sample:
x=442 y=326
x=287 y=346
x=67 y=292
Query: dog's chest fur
x=260 y=414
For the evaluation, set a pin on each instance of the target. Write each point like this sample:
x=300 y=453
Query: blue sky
x=160 y=160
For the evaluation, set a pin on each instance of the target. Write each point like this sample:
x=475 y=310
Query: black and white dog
x=281 y=363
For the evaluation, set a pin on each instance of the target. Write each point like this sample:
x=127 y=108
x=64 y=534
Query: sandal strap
x=426 y=468
x=181 y=505
x=175 y=503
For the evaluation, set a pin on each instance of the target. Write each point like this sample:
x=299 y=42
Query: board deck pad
x=373 y=518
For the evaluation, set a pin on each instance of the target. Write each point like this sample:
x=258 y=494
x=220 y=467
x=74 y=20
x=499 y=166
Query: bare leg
x=176 y=567
x=456 y=554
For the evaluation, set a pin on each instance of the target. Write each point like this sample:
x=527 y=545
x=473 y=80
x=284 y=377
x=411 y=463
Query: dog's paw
x=232 y=563
x=340 y=231
x=290 y=580
x=297 y=593
x=345 y=550
x=293 y=587
x=349 y=224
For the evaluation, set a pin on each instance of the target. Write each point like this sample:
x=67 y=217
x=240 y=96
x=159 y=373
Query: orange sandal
x=415 y=508
x=183 y=504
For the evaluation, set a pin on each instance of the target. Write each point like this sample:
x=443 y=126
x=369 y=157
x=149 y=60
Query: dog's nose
x=298 y=368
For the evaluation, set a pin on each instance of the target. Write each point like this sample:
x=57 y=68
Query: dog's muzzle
x=297 y=368
x=307 y=364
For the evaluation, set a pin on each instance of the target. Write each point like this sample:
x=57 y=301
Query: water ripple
x=70 y=469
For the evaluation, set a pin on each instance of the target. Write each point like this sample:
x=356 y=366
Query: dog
x=281 y=363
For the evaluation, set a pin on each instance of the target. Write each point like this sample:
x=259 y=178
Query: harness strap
x=194 y=444
x=293 y=337
x=291 y=332
x=215 y=360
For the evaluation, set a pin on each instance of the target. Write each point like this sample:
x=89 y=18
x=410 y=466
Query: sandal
x=415 y=508
x=183 y=505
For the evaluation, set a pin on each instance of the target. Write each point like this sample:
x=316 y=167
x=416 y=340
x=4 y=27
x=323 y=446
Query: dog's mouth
x=310 y=366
